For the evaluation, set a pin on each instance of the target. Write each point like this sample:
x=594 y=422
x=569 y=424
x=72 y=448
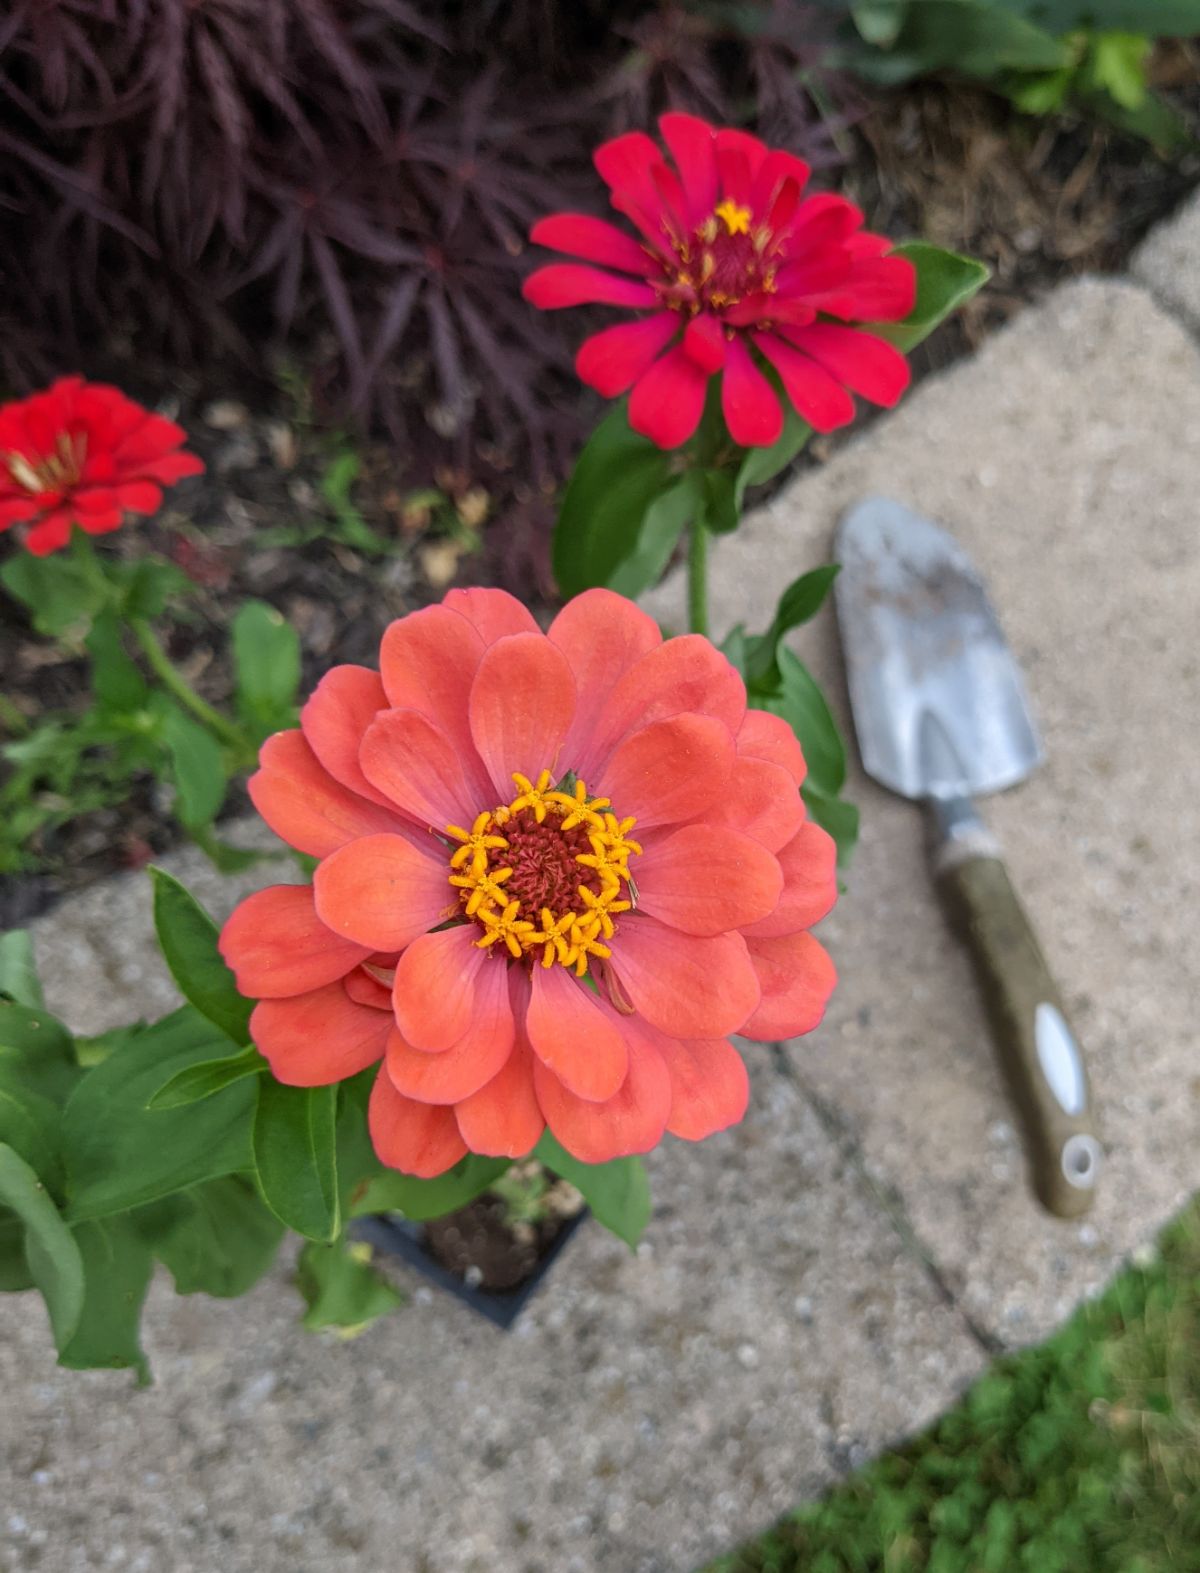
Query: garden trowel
x=941 y=717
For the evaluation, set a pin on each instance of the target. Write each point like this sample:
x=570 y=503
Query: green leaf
x=617 y=1192
x=266 y=663
x=187 y=937
x=617 y=478
x=662 y=525
x=54 y=1261
x=196 y=765
x=37 y=1051
x=30 y=1124
x=763 y=464
x=116 y=1274
x=217 y=1239
x=798 y=604
x=341 y=1288
x=295 y=1154
x=18 y=969
x=722 y=507
x=120 y=1154
x=944 y=281
x=146 y=585
x=198 y=1082
x=62 y=596
x=14 y=1269
x=802 y=705
x=392 y=1192
x=116 y=681
x=835 y=815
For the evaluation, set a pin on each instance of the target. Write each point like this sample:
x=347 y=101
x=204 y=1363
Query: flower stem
x=698 y=576
x=177 y=685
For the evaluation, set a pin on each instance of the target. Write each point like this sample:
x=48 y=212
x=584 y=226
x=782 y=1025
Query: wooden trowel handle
x=1042 y=1060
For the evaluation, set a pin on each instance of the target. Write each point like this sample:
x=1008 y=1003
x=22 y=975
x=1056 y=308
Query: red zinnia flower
x=82 y=453
x=734 y=263
x=556 y=870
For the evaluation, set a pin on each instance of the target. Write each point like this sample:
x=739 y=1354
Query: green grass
x=1081 y=1456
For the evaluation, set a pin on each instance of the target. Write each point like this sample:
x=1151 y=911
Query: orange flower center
x=725 y=259
x=546 y=875
x=57 y=472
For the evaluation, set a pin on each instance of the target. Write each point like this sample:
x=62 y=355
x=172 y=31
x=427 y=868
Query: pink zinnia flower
x=735 y=267
x=82 y=453
x=556 y=871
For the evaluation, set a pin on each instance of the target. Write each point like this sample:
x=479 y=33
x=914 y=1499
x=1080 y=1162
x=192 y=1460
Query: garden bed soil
x=1037 y=200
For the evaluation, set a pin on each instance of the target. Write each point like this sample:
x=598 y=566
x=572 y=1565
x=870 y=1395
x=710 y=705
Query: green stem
x=698 y=576
x=177 y=685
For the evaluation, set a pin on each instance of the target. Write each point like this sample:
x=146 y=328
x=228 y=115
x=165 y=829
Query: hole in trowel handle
x=1081 y=1161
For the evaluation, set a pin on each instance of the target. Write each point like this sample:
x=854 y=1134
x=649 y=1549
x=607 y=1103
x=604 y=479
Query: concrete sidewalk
x=827 y=1277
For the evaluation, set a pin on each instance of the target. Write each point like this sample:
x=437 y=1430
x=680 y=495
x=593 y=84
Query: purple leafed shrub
x=352 y=178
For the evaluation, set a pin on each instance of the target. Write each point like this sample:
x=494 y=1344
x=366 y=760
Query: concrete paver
x=1168 y=262
x=1061 y=457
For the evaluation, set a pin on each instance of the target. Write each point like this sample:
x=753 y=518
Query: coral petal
x=491 y=613
x=466 y=1066
x=763 y=735
x=809 y=864
x=797 y=977
x=382 y=892
x=417 y=1138
x=504 y=1119
x=705 y=881
x=412 y=761
x=670 y=770
x=573 y=1036
x=684 y=674
x=709 y=1085
x=685 y=986
x=320 y=1037
x=602 y=635
x=522 y=704
x=277 y=945
x=631 y=1121
x=436 y=981
x=304 y=805
x=335 y=720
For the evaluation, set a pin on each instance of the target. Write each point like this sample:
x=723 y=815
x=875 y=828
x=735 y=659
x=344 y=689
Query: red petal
x=277 y=945
x=669 y=771
x=50 y=533
x=611 y=361
x=380 y=891
x=748 y=400
x=702 y=881
x=878 y=289
x=693 y=147
x=504 y=1119
x=867 y=365
x=709 y=1085
x=592 y=239
x=668 y=400
x=139 y=497
x=685 y=986
x=797 y=977
x=304 y=805
x=820 y=400
x=321 y=1037
x=778 y=174
x=573 y=1036
x=625 y=165
x=631 y=1121
x=571 y=284
x=491 y=613
x=100 y=523
x=739 y=158
x=809 y=863
x=417 y=1138
x=522 y=703
x=704 y=342
x=335 y=720
x=436 y=982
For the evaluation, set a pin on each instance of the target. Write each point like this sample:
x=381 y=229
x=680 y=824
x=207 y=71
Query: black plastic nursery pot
x=399 y=1236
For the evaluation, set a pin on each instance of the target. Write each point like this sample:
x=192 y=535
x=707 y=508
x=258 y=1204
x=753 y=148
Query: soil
x=1037 y=200
x=480 y=1245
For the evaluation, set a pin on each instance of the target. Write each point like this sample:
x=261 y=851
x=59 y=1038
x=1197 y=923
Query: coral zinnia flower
x=733 y=263
x=82 y=453
x=555 y=871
